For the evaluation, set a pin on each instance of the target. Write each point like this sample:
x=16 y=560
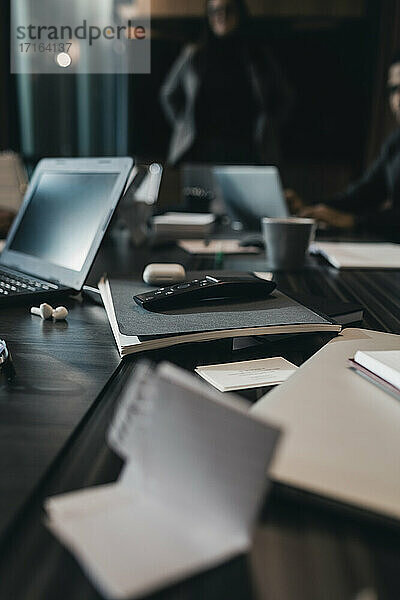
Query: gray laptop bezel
x=48 y=271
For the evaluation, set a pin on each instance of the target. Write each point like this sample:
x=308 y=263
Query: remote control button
x=183 y=286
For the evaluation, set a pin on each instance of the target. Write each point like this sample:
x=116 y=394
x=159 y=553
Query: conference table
x=55 y=413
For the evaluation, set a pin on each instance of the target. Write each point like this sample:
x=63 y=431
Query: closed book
x=136 y=329
x=373 y=378
x=384 y=364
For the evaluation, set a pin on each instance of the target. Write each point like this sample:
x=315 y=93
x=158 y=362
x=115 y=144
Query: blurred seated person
x=225 y=97
x=372 y=203
x=6 y=218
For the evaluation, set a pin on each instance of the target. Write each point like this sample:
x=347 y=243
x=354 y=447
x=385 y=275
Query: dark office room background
x=334 y=52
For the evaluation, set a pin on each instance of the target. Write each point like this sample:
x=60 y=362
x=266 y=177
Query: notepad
x=194 y=478
x=359 y=255
x=247 y=374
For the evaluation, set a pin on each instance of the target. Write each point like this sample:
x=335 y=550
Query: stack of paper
x=359 y=255
x=175 y=225
x=195 y=476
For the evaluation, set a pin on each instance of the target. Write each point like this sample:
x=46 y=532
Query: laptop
x=198 y=187
x=58 y=230
x=251 y=193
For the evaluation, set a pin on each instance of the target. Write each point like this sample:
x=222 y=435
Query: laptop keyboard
x=12 y=284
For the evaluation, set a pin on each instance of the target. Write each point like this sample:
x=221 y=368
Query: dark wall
x=332 y=70
x=330 y=64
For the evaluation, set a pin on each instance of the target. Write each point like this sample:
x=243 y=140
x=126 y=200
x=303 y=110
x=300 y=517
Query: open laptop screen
x=64 y=216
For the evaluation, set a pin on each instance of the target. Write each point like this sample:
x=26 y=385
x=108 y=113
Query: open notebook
x=194 y=479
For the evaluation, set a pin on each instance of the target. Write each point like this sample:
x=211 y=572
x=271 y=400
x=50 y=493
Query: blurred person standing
x=225 y=97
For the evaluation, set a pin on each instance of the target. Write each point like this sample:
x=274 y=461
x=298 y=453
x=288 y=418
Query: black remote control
x=190 y=293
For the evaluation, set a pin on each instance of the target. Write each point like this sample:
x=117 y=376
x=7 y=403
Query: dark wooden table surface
x=52 y=424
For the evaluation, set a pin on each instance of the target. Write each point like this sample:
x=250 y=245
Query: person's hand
x=328 y=216
x=294 y=201
x=6 y=218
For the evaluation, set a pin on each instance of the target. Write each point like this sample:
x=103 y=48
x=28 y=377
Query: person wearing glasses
x=225 y=97
x=372 y=203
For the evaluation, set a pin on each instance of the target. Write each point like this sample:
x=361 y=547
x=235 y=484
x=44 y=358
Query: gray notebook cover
x=276 y=310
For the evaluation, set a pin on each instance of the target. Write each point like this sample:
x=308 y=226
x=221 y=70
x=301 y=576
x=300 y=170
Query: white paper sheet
x=247 y=374
x=364 y=255
x=185 y=219
x=216 y=246
x=129 y=545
